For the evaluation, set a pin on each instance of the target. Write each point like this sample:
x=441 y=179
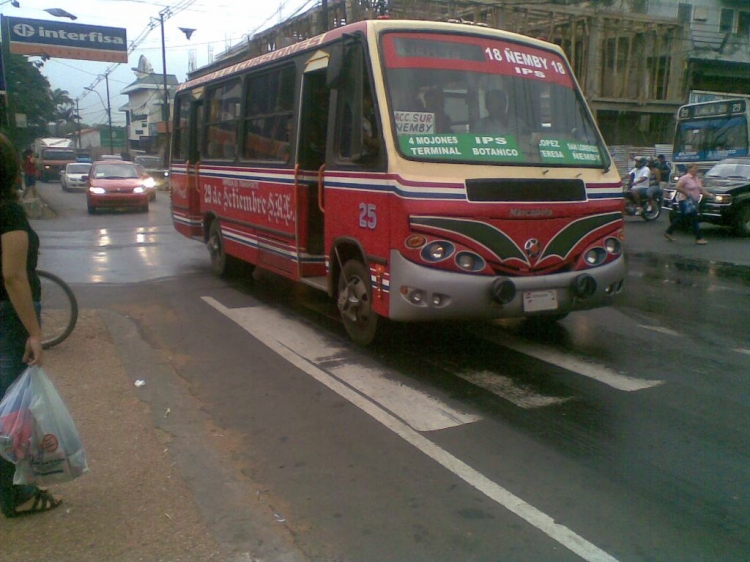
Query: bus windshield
x=483 y=100
x=58 y=154
x=711 y=139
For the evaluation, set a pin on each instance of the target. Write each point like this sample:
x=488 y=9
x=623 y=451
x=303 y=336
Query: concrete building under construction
x=636 y=60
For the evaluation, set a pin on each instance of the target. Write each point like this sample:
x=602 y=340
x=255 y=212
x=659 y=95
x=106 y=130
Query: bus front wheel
x=355 y=303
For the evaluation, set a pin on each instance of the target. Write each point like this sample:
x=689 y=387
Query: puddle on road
x=658 y=267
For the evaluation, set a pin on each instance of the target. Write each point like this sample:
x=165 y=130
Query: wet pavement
x=726 y=254
x=109 y=249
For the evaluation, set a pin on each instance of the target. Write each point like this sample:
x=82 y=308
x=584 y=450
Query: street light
x=60 y=13
x=108 y=107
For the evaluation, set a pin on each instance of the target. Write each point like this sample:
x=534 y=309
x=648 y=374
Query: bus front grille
x=525 y=191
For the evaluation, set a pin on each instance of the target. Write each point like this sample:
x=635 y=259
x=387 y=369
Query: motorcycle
x=650 y=210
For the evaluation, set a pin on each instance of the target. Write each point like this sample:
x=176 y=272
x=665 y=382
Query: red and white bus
x=365 y=162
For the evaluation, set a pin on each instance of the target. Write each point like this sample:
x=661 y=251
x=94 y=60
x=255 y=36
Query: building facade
x=636 y=60
x=145 y=111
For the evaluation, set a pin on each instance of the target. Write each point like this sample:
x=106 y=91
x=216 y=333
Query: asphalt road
x=620 y=434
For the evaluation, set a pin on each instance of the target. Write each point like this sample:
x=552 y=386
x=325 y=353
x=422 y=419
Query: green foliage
x=30 y=95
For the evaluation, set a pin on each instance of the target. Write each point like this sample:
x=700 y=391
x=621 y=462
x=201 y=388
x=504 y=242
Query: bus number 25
x=368 y=218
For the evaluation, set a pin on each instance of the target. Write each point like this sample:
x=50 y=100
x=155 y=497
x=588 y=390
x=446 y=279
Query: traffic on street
x=616 y=434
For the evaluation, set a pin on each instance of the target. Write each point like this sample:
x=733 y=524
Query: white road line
x=661 y=330
x=508 y=389
x=586 y=368
x=524 y=510
x=419 y=410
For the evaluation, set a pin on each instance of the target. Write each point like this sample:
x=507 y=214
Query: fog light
x=437 y=300
x=584 y=286
x=503 y=290
x=416 y=297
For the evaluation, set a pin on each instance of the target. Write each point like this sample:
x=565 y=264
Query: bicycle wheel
x=59 y=309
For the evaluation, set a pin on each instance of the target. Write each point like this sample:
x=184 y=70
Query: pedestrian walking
x=689 y=190
x=20 y=332
x=29 y=174
x=665 y=170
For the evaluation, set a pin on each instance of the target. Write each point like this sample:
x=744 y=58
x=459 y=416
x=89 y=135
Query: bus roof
x=365 y=26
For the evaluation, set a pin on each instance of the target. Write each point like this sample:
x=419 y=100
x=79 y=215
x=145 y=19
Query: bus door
x=186 y=195
x=311 y=157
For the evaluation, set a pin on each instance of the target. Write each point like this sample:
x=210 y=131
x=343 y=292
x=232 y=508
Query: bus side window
x=222 y=120
x=267 y=122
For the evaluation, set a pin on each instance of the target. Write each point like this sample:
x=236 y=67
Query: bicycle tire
x=59 y=309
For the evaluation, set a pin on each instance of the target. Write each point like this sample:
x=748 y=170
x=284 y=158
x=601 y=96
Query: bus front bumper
x=420 y=293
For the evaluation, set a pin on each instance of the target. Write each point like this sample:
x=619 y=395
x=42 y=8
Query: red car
x=114 y=184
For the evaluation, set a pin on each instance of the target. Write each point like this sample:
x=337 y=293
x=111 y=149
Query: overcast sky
x=218 y=24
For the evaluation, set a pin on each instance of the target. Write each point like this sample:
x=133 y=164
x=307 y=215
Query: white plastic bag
x=46 y=447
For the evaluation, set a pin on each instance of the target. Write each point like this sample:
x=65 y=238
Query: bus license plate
x=539 y=300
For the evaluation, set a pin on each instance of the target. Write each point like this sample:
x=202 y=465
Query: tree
x=30 y=95
x=64 y=109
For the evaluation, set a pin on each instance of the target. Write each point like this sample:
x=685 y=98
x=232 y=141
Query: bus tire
x=221 y=264
x=355 y=303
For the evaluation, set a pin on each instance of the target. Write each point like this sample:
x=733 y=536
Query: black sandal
x=43 y=501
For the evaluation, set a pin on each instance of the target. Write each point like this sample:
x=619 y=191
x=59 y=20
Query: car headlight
x=97 y=190
x=148 y=183
x=139 y=189
x=722 y=199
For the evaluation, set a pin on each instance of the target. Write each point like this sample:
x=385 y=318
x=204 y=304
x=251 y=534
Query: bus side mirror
x=335 y=66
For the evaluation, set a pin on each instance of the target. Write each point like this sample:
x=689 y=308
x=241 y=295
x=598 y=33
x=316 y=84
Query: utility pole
x=165 y=107
x=78 y=126
x=109 y=116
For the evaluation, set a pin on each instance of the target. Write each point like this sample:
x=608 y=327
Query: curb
x=38 y=209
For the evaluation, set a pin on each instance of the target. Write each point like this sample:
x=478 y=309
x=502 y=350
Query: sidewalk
x=135 y=504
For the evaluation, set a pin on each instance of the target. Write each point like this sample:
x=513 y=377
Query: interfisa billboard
x=67 y=40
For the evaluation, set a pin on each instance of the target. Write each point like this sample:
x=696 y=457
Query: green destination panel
x=497 y=148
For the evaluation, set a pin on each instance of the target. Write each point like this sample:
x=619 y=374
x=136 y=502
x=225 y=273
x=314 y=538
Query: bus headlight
x=437 y=251
x=595 y=256
x=613 y=246
x=469 y=261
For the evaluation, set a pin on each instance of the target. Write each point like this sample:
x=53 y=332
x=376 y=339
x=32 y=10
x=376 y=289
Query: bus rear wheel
x=220 y=262
x=355 y=303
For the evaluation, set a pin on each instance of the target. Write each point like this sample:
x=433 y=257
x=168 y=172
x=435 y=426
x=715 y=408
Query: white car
x=71 y=178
